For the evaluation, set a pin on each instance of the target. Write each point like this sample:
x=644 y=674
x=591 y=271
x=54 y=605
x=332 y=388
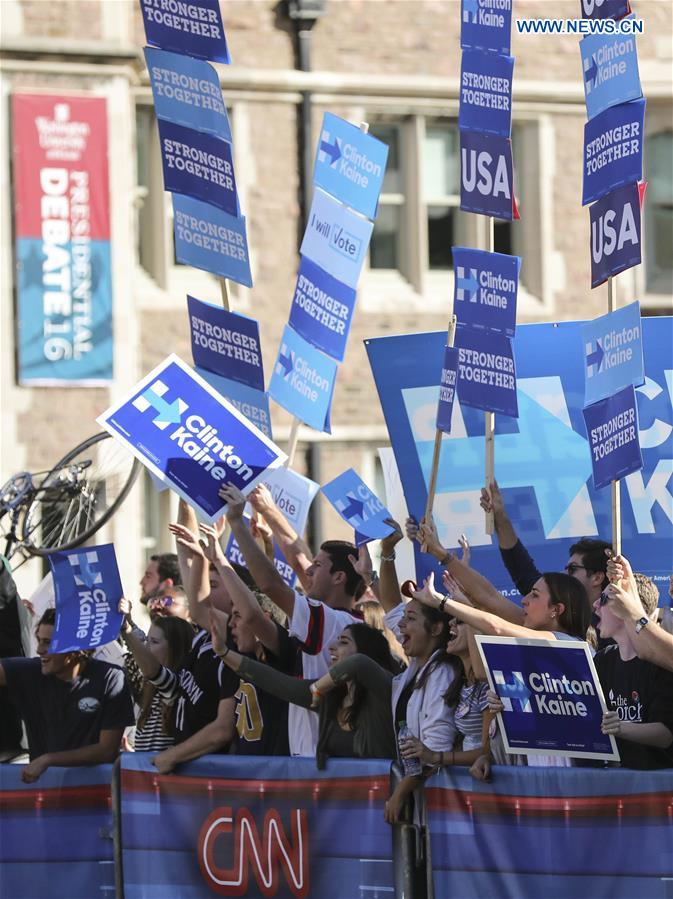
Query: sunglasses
x=161 y=602
x=571 y=569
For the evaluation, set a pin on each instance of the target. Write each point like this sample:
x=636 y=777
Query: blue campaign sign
x=615 y=233
x=610 y=68
x=87 y=590
x=226 y=343
x=252 y=403
x=194 y=29
x=486 y=92
x=210 y=239
x=350 y=164
x=322 y=309
x=485 y=289
x=542 y=459
x=447 y=389
x=336 y=239
x=486 y=372
x=358 y=506
x=613 y=150
x=303 y=381
x=612 y=426
x=613 y=353
x=198 y=165
x=605 y=9
x=486 y=180
x=553 y=699
x=190 y=437
x=187 y=91
x=485 y=25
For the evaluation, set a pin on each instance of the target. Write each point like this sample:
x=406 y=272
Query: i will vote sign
x=613 y=150
x=303 y=381
x=486 y=175
x=612 y=428
x=447 y=389
x=615 y=233
x=190 y=437
x=359 y=507
x=350 y=164
x=485 y=289
x=187 y=91
x=610 y=67
x=226 y=343
x=87 y=590
x=486 y=25
x=192 y=28
x=252 y=403
x=486 y=92
x=486 y=371
x=553 y=699
x=613 y=353
x=210 y=239
x=322 y=309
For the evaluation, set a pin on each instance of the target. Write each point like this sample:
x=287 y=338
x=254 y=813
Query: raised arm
x=293 y=546
x=134 y=639
x=389 y=585
x=359 y=668
x=515 y=556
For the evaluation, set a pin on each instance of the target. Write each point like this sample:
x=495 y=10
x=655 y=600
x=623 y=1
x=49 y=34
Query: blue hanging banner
x=226 y=343
x=252 y=403
x=194 y=29
x=336 y=239
x=486 y=93
x=613 y=150
x=610 y=67
x=187 y=91
x=486 y=179
x=486 y=25
x=486 y=372
x=605 y=9
x=359 y=507
x=485 y=289
x=613 y=353
x=87 y=590
x=210 y=239
x=612 y=427
x=322 y=309
x=350 y=164
x=447 y=389
x=303 y=381
x=615 y=233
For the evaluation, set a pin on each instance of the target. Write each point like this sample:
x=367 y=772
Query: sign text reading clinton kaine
x=610 y=66
x=190 y=437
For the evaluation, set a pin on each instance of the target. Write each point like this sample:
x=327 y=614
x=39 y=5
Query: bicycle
x=62 y=508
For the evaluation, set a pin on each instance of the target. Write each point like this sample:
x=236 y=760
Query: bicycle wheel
x=78 y=495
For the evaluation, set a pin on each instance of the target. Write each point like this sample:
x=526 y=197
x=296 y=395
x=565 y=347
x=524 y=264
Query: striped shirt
x=151 y=737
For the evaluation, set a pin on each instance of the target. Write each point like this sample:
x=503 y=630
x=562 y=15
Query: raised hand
x=125 y=608
x=261 y=499
x=411 y=529
x=212 y=549
x=235 y=501
x=454 y=588
x=430 y=539
x=389 y=543
x=464 y=544
x=219 y=622
x=363 y=563
x=427 y=594
x=186 y=538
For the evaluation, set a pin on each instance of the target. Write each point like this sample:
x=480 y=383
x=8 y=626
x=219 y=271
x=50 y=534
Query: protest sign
x=615 y=233
x=485 y=289
x=610 y=67
x=486 y=372
x=486 y=180
x=485 y=25
x=613 y=353
x=226 y=343
x=195 y=29
x=210 y=239
x=350 y=164
x=190 y=437
x=187 y=91
x=447 y=389
x=303 y=381
x=252 y=403
x=336 y=239
x=358 y=506
x=553 y=699
x=612 y=426
x=605 y=9
x=613 y=150
x=87 y=590
x=486 y=92
x=322 y=309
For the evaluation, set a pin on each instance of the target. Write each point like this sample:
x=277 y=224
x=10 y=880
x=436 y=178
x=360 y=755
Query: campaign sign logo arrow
x=328 y=149
x=87 y=577
x=469 y=284
x=167 y=413
x=354 y=508
x=594 y=358
x=285 y=362
x=590 y=72
x=515 y=689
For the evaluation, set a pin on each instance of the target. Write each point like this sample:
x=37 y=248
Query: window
x=658 y=208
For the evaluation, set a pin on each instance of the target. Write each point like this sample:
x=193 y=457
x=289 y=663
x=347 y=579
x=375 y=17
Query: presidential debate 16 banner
x=62 y=227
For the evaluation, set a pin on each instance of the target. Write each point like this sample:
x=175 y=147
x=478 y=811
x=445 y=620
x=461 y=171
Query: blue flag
x=194 y=29
x=486 y=93
x=303 y=381
x=485 y=25
x=613 y=353
x=486 y=181
x=210 y=239
x=613 y=150
x=486 y=372
x=252 y=403
x=322 y=309
x=226 y=343
x=610 y=69
x=447 y=389
x=336 y=239
x=615 y=233
x=87 y=588
x=605 y=9
x=350 y=164
x=485 y=289
x=612 y=428
x=359 y=507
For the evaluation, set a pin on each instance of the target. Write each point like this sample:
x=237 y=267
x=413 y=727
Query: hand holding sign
x=235 y=502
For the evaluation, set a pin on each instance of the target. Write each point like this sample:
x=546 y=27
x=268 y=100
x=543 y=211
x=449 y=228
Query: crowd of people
x=349 y=664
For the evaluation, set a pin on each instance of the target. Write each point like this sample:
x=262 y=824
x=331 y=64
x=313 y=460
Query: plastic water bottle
x=412 y=767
